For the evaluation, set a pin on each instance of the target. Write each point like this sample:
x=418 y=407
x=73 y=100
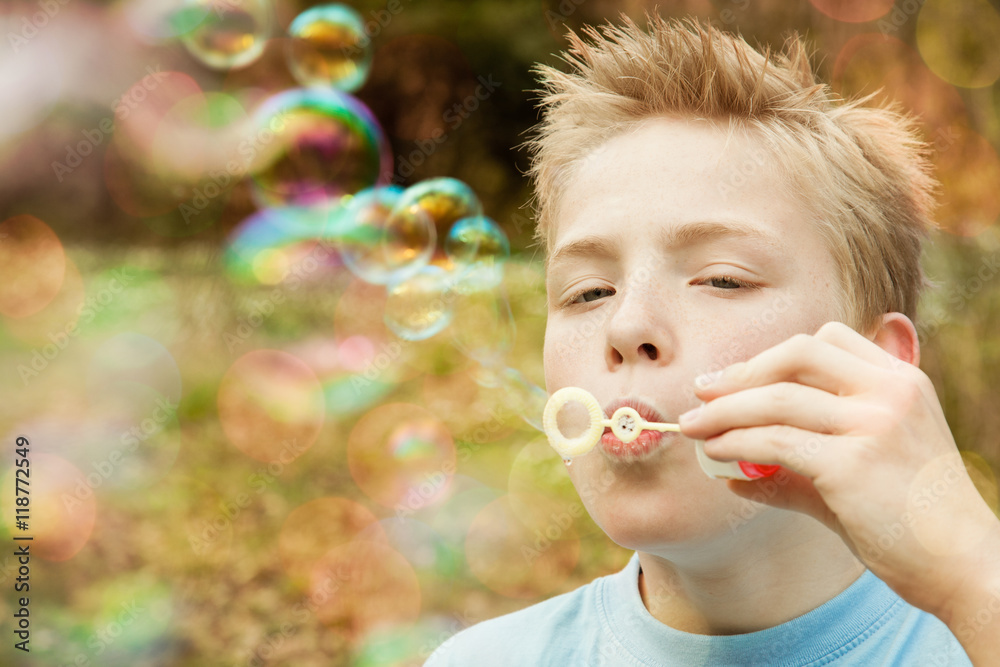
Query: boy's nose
x=637 y=333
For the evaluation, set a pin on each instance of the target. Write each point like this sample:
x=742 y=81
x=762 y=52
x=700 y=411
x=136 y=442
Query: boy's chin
x=655 y=518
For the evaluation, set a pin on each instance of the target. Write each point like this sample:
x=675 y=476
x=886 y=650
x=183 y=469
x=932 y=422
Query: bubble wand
x=626 y=424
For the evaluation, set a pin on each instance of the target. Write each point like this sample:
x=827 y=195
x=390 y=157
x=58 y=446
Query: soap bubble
x=445 y=200
x=538 y=471
x=195 y=139
x=958 y=41
x=329 y=47
x=522 y=556
x=61 y=518
x=524 y=396
x=314 y=145
x=418 y=307
x=478 y=248
x=278 y=244
x=418 y=542
x=271 y=406
x=465 y=408
x=380 y=246
x=312 y=529
x=134 y=386
x=232 y=34
x=58 y=319
x=401 y=455
x=129 y=360
x=361 y=585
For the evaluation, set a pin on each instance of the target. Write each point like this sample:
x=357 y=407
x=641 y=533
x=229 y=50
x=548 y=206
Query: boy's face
x=694 y=258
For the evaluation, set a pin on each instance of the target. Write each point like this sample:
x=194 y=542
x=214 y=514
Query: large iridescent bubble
x=231 y=34
x=329 y=47
x=279 y=244
x=315 y=145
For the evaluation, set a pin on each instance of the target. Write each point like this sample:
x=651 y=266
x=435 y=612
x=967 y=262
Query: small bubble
x=329 y=47
x=478 y=248
x=233 y=33
x=416 y=308
x=444 y=200
x=379 y=246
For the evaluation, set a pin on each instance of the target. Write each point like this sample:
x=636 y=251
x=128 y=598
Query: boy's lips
x=647 y=442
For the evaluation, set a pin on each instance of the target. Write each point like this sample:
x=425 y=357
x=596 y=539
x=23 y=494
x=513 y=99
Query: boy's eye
x=592 y=295
x=726 y=282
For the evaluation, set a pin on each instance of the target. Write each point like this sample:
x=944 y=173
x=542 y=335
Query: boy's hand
x=870 y=455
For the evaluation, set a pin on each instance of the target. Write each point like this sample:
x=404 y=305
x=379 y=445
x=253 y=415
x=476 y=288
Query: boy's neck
x=798 y=567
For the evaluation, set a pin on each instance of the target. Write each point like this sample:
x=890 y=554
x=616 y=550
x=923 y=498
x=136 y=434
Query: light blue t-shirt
x=606 y=623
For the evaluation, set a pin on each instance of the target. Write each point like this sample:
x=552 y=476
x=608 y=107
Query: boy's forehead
x=673 y=172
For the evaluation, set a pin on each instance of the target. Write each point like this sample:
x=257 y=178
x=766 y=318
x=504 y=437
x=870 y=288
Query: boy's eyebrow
x=589 y=246
x=675 y=238
x=693 y=233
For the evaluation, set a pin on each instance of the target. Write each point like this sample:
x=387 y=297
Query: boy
x=705 y=205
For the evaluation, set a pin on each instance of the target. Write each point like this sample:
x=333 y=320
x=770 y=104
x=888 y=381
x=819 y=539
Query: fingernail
x=691 y=414
x=706 y=380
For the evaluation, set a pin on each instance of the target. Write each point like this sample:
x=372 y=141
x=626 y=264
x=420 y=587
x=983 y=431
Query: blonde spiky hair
x=861 y=170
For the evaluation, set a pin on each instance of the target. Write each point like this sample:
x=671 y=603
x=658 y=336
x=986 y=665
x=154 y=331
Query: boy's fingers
x=846 y=338
x=804 y=452
x=803 y=359
x=787 y=403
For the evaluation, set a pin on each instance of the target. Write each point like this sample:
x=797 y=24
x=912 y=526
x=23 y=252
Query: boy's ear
x=897 y=336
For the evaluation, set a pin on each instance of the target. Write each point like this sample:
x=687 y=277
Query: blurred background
x=271 y=317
